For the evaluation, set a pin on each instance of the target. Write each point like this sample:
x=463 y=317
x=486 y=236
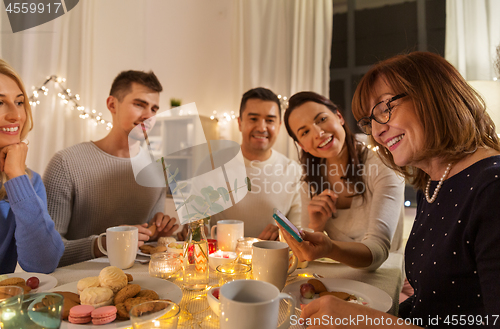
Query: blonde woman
x=27 y=233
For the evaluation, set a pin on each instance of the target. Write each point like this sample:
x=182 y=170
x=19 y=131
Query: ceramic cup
x=228 y=233
x=121 y=245
x=271 y=262
x=250 y=304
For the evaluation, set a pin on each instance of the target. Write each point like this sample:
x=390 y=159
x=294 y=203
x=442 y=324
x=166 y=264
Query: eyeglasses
x=381 y=113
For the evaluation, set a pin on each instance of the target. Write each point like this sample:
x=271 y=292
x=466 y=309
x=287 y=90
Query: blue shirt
x=27 y=233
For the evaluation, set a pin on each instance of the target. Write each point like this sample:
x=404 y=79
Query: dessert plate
x=372 y=296
x=165 y=289
x=47 y=282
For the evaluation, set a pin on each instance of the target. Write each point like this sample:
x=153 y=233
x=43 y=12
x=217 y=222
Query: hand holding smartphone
x=287 y=225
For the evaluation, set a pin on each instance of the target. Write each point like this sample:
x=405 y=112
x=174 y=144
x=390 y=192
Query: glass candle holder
x=11 y=298
x=165 y=265
x=155 y=314
x=244 y=249
x=212 y=245
x=230 y=272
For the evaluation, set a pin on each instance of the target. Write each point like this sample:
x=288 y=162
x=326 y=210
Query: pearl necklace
x=438 y=187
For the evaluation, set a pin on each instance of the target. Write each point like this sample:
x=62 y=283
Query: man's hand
x=271 y=232
x=13 y=159
x=321 y=208
x=161 y=225
x=182 y=234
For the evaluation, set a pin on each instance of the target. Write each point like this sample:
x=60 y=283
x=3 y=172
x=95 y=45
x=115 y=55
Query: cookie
x=112 y=277
x=26 y=288
x=129 y=277
x=122 y=312
x=97 y=296
x=319 y=287
x=131 y=302
x=13 y=282
x=158 y=249
x=70 y=300
x=338 y=294
x=148 y=294
x=146 y=248
x=152 y=228
x=88 y=282
x=127 y=292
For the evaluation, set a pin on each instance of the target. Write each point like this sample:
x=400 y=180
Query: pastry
x=13 y=282
x=113 y=278
x=122 y=311
x=104 y=315
x=91 y=281
x=131 y=302
x=146 y=248
x=158 y=249
x=319 y=287
x=129 y=277
x=127 y=292
x=148 y=294
x=70 y=300
x=165 y=240
x=153 y=228
x=80 y=314
x=97 y=296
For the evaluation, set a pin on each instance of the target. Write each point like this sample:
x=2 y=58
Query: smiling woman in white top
x=346 y=192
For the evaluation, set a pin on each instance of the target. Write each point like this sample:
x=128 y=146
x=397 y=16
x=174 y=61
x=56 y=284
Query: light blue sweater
x=27 y=233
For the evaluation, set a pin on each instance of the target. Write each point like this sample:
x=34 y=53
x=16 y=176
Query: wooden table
x=198 y=315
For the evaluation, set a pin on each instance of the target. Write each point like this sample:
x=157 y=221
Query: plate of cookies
x=29 y=281
x=104 y=301
x=163 y=244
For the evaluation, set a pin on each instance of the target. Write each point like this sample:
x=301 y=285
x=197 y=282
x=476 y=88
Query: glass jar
x=196 y=257
x=165 y=265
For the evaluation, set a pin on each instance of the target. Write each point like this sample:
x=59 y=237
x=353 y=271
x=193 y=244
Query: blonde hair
x=452 y=113
x=8 y=71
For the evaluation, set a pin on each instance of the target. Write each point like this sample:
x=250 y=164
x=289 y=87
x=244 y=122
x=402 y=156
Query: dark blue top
x=452 y=257
x=27 y=233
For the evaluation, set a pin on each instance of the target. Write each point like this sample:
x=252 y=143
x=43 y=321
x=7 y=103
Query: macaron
x=103 y=315
x=80 y=314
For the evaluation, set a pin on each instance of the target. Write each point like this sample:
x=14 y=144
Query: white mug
x=271 y=263
x=250 y=304
x=228 y=233
x=121 y=242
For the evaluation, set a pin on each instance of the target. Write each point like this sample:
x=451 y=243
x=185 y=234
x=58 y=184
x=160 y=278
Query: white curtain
x=472 y=35
x=59 y=47
x=283 y=45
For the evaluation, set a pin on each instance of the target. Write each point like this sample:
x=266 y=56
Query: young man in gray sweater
x=91 y=185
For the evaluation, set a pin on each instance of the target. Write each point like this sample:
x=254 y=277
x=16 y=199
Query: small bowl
x=176 y=249
x=220 y=257
x=214 y=302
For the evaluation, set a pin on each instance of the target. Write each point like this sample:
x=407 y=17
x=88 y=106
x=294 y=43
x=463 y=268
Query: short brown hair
x=263 y=94
x=452 y=113
x=123 y=82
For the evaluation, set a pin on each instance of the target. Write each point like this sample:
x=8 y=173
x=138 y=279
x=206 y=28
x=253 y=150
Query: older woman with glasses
x=347 y=191
x=440 y=137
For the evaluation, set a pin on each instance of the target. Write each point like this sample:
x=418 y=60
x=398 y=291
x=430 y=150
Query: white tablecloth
x=198 y=315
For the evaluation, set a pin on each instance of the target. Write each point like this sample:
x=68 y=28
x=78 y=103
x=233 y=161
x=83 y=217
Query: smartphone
x=287 y=225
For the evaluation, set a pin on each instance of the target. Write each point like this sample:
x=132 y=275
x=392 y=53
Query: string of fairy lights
x=226 y=117
x=69 y=98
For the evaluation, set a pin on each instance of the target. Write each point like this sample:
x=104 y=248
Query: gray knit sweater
x=89 y=190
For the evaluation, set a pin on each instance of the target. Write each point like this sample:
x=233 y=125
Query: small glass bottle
x=196 y=257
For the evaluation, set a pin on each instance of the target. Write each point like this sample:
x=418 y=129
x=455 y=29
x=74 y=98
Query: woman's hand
x=13 y=160
x=314 y=246
x=321 y=208
x=331 y=312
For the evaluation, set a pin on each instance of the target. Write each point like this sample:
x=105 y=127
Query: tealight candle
x=164 y=265
x=230 y=272
x=244 y=249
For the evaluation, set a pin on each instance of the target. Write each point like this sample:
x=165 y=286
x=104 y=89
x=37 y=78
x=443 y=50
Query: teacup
x=228 y=233
x=250 y=304
x=121 y=245
x=271 y=262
